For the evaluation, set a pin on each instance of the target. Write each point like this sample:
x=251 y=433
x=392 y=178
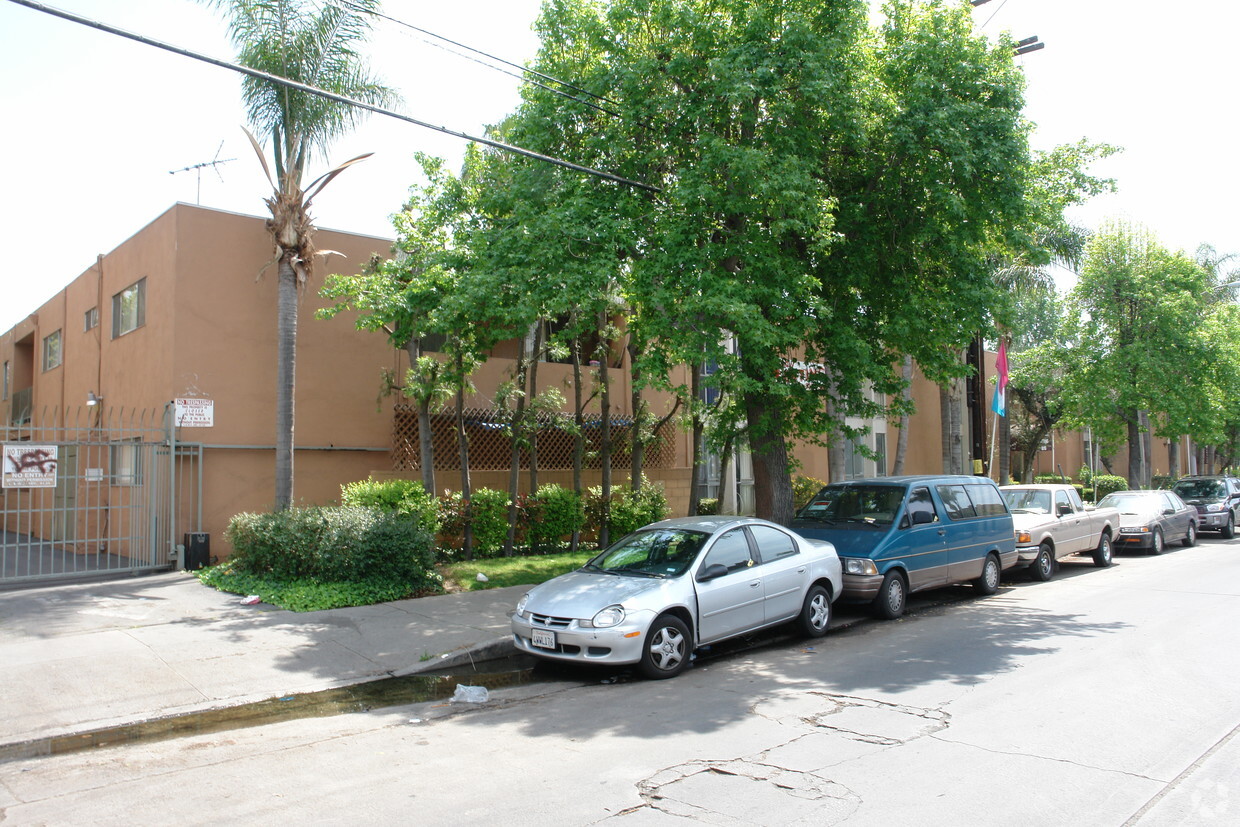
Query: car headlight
x=1024 y=538
x=611 y=616
x=1135 y=529
x=859 y=565
x=1216 y=507
x=525 y=598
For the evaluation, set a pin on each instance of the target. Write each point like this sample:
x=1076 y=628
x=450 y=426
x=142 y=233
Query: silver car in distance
x=666 y=589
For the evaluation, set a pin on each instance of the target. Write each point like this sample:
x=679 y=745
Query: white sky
x=92 y=124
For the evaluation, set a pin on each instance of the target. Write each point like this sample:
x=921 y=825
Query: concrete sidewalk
x=85 y=656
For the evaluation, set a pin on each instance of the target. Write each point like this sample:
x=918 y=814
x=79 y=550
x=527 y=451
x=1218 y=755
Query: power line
x=332 y=96
x=522 y=73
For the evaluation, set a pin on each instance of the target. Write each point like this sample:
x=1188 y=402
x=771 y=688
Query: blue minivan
x=898 y=535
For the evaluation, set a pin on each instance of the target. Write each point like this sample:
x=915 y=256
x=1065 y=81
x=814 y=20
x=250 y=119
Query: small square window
x=126 y=463
x=91 y=319
x=53 y=353
x=129 y=309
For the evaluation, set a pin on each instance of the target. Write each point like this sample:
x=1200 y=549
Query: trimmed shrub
x=402 y=496
x=1163 y=481
x=630 y=510
x=1106 y=483
x=488 y=517
x=803 y=488
x=348 y=543
x=554 y=512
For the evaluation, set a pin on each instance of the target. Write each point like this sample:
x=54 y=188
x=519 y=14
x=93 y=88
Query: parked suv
x=1217 y=500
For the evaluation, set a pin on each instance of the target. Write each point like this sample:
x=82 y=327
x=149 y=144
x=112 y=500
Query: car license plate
x=542 y=638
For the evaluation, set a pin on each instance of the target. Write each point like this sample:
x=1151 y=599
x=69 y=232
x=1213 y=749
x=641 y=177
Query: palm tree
x=313 y=44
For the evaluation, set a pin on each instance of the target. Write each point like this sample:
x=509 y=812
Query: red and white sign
x=192 y=412
x=30 y=466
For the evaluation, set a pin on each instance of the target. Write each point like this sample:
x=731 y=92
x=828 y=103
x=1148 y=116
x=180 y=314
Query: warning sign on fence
x=194 y=412
x=30 y=466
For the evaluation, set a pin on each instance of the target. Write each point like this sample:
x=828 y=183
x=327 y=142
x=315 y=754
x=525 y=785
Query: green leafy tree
x=1137 y=334
x=313 y=44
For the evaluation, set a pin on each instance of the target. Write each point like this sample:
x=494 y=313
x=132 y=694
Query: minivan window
x=919 y=502
x=854 y=505
x=987 y=501
x=956 y=502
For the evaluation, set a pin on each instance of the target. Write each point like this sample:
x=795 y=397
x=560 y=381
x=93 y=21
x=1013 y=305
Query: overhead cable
x=323 y=93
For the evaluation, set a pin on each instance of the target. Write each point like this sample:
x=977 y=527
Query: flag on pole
x=999 y=404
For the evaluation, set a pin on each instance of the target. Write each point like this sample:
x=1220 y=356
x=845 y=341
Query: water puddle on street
x=362 y=697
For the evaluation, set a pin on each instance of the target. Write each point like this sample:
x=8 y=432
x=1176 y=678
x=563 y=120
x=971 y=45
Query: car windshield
x=1200 y=489
x=1027 y=501
x=846 y=504
x=660 y=552
x=1131 y=503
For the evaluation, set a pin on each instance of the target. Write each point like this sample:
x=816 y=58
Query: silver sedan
x=666 y=589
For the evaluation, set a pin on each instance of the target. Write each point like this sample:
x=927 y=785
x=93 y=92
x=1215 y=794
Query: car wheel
x=988 y=583
x=1043 y=565
x=1158 y=545
x=667 y=648
x=1103 y=554
x=1229 y=530
x=889 y=603
x=815 y=614
x=1190 y=539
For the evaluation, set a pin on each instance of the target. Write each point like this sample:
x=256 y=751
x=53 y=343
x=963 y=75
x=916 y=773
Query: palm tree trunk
x=286 y=359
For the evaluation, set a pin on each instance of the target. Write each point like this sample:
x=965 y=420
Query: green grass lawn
x=511 y=571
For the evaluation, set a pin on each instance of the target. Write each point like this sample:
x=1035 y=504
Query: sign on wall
x=30 y=466
x=195 y=412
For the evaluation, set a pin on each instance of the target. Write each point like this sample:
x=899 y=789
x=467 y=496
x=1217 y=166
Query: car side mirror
x=1169 y=511
x=712 y=572
x=1063 y=509
x=922 y=517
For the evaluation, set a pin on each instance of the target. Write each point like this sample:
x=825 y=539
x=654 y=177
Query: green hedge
x=1107 y=483
x=488 y=513
x=554 y=513
x=629 y=511
x=399 y=495
x=334 y=544
x=803 y=488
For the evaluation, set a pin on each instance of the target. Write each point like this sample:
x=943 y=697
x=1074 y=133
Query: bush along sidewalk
x=306 y=559
x=391 y=540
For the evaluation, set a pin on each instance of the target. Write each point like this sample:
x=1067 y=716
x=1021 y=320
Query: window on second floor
x=90 y=319
x=7 y=377
x=129 y=309
x=53 y=353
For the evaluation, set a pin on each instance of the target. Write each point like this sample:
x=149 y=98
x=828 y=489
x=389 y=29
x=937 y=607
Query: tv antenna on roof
x=214 y=164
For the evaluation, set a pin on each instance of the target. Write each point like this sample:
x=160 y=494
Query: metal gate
x=94 y=492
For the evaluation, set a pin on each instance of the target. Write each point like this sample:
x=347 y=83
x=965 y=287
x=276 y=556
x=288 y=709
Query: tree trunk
x=951 y=422
x=286 y=359
x=1173 y=458
x=1136 y=451
x=579 y=438
x=902 y=441
x=462 y=443
x=696 y=469
x=426 y=437
x=605 y=431
x=771 y=482
x=637 y=448
x=836 y=470
x=535 y=357
x=518 y=434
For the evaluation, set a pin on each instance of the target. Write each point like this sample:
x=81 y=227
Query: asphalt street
x=1104 y=697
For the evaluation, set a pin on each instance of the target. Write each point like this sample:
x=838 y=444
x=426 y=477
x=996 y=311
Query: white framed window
x=53 y=351
x=129 y=309
x=90 y=319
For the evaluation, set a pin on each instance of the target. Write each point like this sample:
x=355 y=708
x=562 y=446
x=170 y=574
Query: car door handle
x=942 y=532
x=755 y=584
x=801 y=570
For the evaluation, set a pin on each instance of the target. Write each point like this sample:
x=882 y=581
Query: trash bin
x=197 y=550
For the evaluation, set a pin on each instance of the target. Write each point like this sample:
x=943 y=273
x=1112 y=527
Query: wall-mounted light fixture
x=93 y=400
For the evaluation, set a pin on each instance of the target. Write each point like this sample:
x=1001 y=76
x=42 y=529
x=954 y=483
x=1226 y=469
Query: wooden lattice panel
x=490 y=444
